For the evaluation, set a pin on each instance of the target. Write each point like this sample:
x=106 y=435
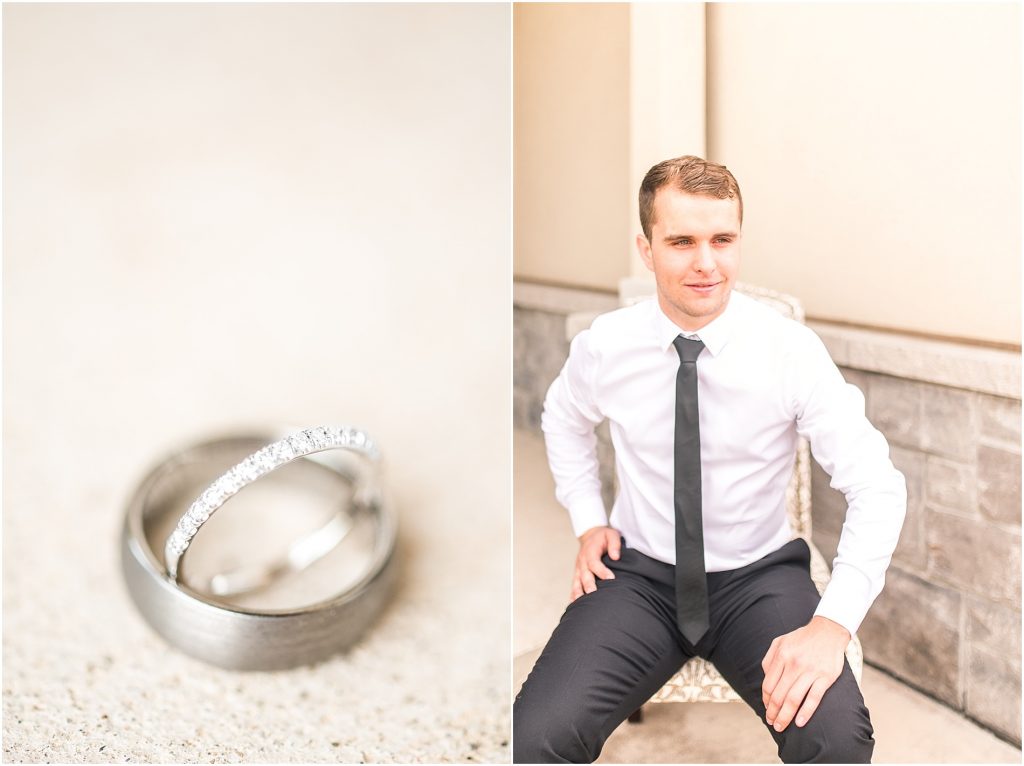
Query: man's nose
x=704 y=259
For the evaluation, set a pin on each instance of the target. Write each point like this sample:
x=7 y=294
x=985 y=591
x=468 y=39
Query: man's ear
x=643 y=247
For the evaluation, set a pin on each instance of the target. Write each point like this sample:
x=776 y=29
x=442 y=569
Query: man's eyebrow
x=674 y=237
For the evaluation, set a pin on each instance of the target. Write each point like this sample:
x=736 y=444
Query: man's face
x=694 y=253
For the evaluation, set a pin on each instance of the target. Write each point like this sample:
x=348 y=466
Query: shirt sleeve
x=830 y=415
x=568 y=421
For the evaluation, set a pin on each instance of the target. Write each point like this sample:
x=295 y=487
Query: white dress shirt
x=762 y=380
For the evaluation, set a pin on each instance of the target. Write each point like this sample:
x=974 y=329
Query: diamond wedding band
x=344 y=570
x=258 y=464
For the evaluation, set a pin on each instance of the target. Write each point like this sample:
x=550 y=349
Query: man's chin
x=701 y=313
x=703 y=307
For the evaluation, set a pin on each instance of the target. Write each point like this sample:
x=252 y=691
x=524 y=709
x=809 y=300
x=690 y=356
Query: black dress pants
x=615 y=647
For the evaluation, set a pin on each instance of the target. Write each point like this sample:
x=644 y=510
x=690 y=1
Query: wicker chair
x=698 y=680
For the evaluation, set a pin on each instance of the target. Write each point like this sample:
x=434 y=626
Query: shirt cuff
x=586 y=514
x=846 y=598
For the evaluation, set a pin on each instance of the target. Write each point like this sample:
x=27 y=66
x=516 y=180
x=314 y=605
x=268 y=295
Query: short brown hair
x=687 y=174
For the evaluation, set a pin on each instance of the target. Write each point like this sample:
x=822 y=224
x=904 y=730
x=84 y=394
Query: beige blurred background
x=877 y=146
x=218 y=216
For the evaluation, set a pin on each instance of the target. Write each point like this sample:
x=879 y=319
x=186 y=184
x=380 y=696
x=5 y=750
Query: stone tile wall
x=539 y=350
x=948 y=621
x=949 y=618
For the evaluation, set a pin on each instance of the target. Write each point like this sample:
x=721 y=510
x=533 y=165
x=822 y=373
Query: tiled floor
x=909 y=727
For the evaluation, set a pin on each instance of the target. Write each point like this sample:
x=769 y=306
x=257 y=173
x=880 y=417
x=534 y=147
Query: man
x=706 y=392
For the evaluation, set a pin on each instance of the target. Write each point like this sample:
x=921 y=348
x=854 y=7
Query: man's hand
x=593 y=544
x=800 y=667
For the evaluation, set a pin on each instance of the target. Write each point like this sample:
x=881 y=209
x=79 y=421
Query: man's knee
x=551 y=735
x=830 y=736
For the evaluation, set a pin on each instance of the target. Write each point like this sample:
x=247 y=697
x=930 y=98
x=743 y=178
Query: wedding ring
x=284 y=610
x=258 y=464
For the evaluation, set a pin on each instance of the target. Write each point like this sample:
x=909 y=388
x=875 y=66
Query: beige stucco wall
x=878 y=149
x=571 y=146
x=667 y=99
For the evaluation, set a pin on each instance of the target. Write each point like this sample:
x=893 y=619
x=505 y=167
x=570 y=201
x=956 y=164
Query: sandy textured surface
x=221 y=216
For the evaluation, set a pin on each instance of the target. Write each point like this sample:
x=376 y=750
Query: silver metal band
x=211 y=627
x=300 y=555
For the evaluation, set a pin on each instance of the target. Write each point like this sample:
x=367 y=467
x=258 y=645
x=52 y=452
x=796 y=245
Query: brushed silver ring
x=206 y=626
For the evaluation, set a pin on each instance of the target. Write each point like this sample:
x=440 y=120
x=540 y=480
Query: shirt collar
x=715 y=334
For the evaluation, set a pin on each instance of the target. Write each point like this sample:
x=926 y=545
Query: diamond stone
x=247 y=470
x=229 y=484
x=320 y=438
x=303 y=442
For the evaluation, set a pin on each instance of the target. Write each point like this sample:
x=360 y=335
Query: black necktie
x=691 y=579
